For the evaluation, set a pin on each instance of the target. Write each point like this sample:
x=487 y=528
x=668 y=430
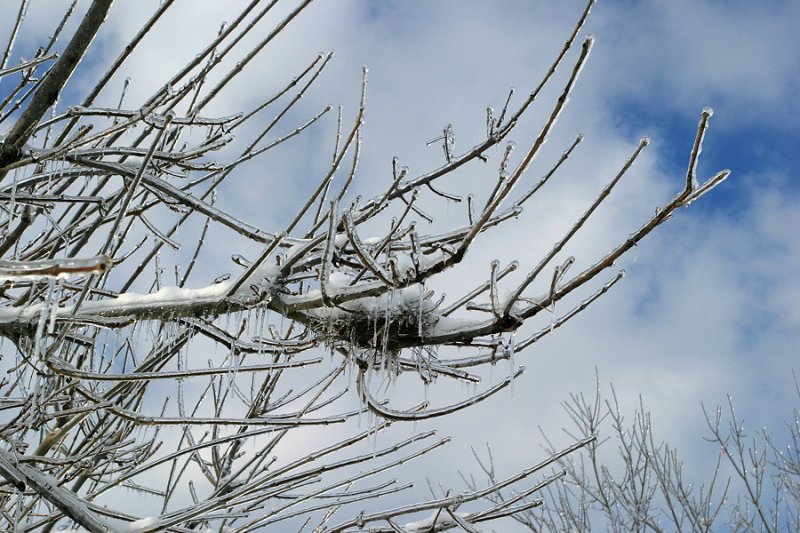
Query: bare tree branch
x=197 y=382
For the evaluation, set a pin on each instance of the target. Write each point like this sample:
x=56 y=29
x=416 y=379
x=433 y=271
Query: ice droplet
x=220 y=279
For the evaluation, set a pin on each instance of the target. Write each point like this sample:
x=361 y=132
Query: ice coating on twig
x=53 y=268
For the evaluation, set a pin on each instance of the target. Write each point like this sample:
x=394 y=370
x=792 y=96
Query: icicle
x=12 y=205
x=364 y=377
x=44 y=312
x=181 y=407
x=373 y=425
x=510 y=349
x=157 y=263
x=259 y=322
x=420 y=313
x=374 y=327
x=234 y=361
x=53 y=306
x=385 y=364
x=18 y=510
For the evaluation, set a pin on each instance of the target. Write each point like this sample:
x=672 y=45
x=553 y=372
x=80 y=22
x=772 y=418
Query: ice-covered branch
x=53 y=268
x=392 y=414
x=24 y=476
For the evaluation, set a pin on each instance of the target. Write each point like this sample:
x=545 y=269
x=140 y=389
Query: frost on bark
x=125 y=377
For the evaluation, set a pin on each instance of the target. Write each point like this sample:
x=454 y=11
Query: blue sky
x=709 y=306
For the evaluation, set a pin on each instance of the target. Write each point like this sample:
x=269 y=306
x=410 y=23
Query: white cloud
x=673 y=54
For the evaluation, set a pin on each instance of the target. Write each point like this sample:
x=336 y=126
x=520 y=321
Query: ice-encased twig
x=53 y=268
x=464 y=497
x=392 y=414
x=27 y=64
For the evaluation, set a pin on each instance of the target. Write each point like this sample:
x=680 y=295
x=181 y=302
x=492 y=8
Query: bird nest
x=389 y=322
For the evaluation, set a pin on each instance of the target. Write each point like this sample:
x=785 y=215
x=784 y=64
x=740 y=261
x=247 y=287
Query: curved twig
x=391 y=414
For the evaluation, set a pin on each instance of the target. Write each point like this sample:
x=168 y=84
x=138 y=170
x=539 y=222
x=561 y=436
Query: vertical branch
x=327 y=253
x=697 y=148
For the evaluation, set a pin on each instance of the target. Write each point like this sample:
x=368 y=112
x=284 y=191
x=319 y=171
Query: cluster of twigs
x=84 y=190
x=641 y=484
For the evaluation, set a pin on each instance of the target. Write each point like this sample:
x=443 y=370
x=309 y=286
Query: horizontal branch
x=66 y=369
x=53 y=268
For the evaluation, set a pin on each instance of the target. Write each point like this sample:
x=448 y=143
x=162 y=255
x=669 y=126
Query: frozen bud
x=240 y=260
